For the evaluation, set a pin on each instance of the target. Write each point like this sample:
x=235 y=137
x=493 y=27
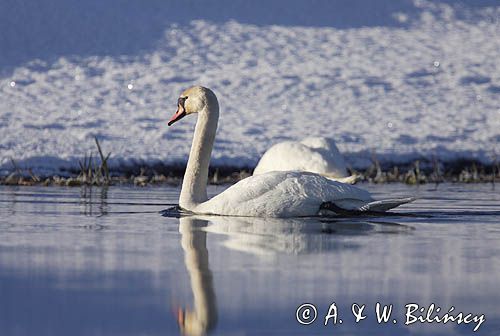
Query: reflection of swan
x=315 y=155
x=261 y=237
x=194 y=243
x=275 y=194
x=268 y=236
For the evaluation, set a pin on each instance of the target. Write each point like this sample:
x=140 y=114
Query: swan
x=273 y=194
x=315 y=154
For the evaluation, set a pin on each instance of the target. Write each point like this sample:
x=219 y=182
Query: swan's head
x=193 y=100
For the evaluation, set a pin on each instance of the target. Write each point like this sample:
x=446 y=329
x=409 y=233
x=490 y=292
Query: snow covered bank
x=402 y=79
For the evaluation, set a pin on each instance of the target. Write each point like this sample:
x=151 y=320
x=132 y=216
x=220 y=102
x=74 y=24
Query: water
x=104 y=262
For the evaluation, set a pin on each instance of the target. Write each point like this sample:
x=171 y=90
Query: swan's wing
x=281 y=194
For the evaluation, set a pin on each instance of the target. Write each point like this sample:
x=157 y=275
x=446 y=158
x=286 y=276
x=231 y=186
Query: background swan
x=274 y=194
x=316 y=155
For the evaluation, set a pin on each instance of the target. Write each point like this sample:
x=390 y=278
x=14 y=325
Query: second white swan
x=273 y=194
x=316 y=155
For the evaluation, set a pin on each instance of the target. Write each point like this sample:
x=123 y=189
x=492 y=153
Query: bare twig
x=104 y=162
x=33 y=176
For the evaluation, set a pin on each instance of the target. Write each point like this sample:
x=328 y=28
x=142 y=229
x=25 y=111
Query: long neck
x=194 y=186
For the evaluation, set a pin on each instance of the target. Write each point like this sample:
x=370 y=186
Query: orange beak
x=181 y=113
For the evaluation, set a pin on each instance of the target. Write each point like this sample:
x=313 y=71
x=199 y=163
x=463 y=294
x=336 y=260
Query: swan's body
x=274 y=194
x=284 y=194
x=315 y=155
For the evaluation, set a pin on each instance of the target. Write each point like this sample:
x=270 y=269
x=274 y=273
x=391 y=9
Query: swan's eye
x=181 y=101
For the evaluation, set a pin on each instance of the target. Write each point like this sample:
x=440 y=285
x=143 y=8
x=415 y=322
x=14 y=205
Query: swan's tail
x=386 y=204
x=349 y=207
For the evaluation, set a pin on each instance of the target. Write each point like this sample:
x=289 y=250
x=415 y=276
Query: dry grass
x=94 y=171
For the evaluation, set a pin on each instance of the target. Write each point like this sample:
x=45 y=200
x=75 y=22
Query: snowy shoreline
x=418 y=81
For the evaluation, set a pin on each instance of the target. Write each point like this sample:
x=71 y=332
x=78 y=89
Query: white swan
x=315 y=155
x=274 y=194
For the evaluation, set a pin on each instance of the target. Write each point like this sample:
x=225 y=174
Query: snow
x=402 y=79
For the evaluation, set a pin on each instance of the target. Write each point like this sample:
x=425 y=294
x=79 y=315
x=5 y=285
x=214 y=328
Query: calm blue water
x=104 y=262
